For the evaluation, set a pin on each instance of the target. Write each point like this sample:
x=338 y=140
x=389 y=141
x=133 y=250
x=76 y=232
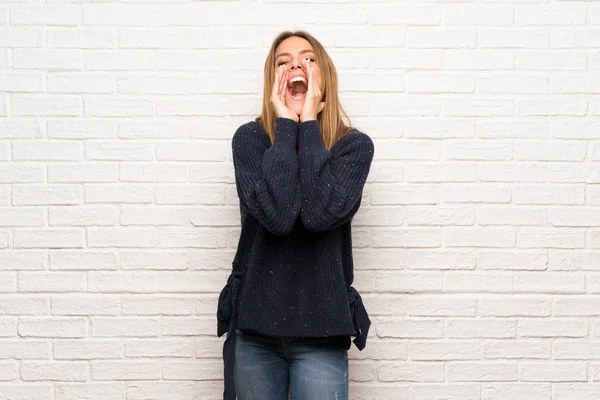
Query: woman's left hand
x=312 y=102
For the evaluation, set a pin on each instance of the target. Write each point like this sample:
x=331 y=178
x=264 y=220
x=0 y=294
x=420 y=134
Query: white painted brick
x=81 y=83
x=171 y=390
x=190 y=194
x=406 y=237
x=48 y=238
x=45 y=15
x=115 y=107
x=576 y=390
x=80 y=38
x=482 y=371
x=122 y=237
x=117 y=327
x=552 y=328
x=515 y=349
x=522 y=215
x=392 y=281
x=126 y=370
x=436 y=37
x=88 y=349
x=585 y=305
x=479 y=236
x=163 y=38
x=442 y=305
x=24 y=349
x=40 y=282
x=53 y=328
x=30 y=391
x=82 y=260
x=47 y=151
x=82 y=216
x=82 y=172
x=556 y=194
x=526 y=37
x=21 y=173
x=87 y=128
x=512 y=172
x=445 y=350
x=475 y=193
x=393 y=105
x=553 y=371
x=544 y=60
x=51 y=59
x=204 y=14
x=515 y=260
x=441 y=172
x=104 y=60
x=19 y=128
x=19 y=37
x=46 y=105
x=425 y=391
x=573 y=260
x=157 y=305
x=8 y=327
x=512 y=128
x=157 y=281
x=3 y=58
x=478 y=107
x=119 y=151
x=22 y=82
x=509 y=84
x=408 y=150
x=77 y=391
x=441 y=259
x=405 y=15
x=159 y=172
x=153 y=85
x=118 y=193
x=171 y=347
x=152 y=215
x=8 y=282
x=557 y=282
x=511 y=306
x=112 y=14
x=465 y=282
x=477 y=14
x=74 y=371
x=85 y=304
x=24 y=304
x=554 y=14
x=551 y=237
x=158 y=259
x=480 y=59
x=491 y=150
x=155 y=128
x=481 y=328
x=192 y=106
x=192 y=370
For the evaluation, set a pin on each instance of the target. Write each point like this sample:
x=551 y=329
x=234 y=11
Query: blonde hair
x=330 y=119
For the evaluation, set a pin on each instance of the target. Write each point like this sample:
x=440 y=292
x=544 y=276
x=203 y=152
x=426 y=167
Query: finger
x=280 y=81
x=284 y=82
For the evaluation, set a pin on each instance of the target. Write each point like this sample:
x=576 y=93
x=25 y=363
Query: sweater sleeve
x=267 y=177
x=331 y=182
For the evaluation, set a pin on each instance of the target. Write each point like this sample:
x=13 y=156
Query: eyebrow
x=288 y=54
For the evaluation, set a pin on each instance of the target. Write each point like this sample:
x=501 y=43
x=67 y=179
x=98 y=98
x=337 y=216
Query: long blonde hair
x=330 y=119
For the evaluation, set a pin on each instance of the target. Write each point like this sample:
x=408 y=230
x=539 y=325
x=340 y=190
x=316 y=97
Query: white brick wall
x=477 y=246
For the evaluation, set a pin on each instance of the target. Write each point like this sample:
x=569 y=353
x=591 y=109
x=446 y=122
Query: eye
x=311 y=59
x=281 y=62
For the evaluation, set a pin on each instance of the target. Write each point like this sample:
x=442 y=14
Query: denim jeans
x=268 y=367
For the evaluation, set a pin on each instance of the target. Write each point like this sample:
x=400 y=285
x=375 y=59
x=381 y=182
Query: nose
x=297 y=64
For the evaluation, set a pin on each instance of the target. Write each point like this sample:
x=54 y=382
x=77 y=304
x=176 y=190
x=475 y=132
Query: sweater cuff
x=310 y=135
x=285 y=133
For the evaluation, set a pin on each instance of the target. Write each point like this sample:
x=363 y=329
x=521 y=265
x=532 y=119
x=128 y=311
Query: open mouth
x=297 y=90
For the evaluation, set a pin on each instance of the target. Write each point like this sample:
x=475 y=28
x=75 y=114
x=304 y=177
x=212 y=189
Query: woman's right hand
x=278 y=95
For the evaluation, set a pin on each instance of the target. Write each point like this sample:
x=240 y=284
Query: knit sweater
x=293 y=269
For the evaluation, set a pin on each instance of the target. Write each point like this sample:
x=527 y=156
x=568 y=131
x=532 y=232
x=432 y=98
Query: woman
x=288 y=306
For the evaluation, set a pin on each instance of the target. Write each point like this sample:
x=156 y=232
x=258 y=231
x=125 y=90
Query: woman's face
x=291 y=53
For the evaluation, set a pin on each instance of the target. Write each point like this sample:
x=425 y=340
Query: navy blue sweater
x=293 y=269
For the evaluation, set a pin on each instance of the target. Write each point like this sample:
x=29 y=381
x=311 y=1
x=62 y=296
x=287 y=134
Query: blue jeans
x=268 y=367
